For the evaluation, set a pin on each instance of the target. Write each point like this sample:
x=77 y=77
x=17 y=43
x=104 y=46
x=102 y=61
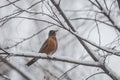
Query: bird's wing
x=45 y=44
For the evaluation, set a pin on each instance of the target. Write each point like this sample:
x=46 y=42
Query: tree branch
x=81 y=41
x=16 y=69
x=118 y=1
x=62 y=59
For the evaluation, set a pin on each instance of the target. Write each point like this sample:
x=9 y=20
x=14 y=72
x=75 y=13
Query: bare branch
x=9 y=4
x=95 y=74
x=83 y=18
x=67 y=72
x=118 y=3
x=106 y=15
x=16 y=69
x=63 y=15
x=27 y=38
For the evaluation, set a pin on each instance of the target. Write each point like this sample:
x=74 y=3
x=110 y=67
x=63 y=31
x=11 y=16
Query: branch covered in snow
x=57 y=58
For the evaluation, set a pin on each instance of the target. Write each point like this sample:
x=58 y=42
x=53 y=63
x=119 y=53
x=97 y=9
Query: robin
x=49 y=46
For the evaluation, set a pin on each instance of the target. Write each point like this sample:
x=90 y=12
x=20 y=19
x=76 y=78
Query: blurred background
x=25 y=24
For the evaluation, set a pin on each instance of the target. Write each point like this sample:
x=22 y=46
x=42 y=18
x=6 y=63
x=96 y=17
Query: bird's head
x=52 y=33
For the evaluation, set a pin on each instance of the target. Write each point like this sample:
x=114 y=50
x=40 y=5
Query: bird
x=49 y=47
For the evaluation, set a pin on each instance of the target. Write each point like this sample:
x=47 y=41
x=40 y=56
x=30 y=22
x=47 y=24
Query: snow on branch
x=56 y=58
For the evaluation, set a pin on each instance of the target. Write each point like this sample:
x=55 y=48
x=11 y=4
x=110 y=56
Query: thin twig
x=95 y=74
x=28 y=37
x=67 y=72
x=16 y=69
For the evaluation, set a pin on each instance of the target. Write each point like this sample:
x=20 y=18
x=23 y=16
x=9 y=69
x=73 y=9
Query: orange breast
x=51 y=47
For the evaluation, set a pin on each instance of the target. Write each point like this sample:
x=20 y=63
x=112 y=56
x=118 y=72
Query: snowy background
x=25 y=24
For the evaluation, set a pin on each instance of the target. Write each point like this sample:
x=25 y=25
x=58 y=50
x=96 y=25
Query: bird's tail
x=32 y=61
